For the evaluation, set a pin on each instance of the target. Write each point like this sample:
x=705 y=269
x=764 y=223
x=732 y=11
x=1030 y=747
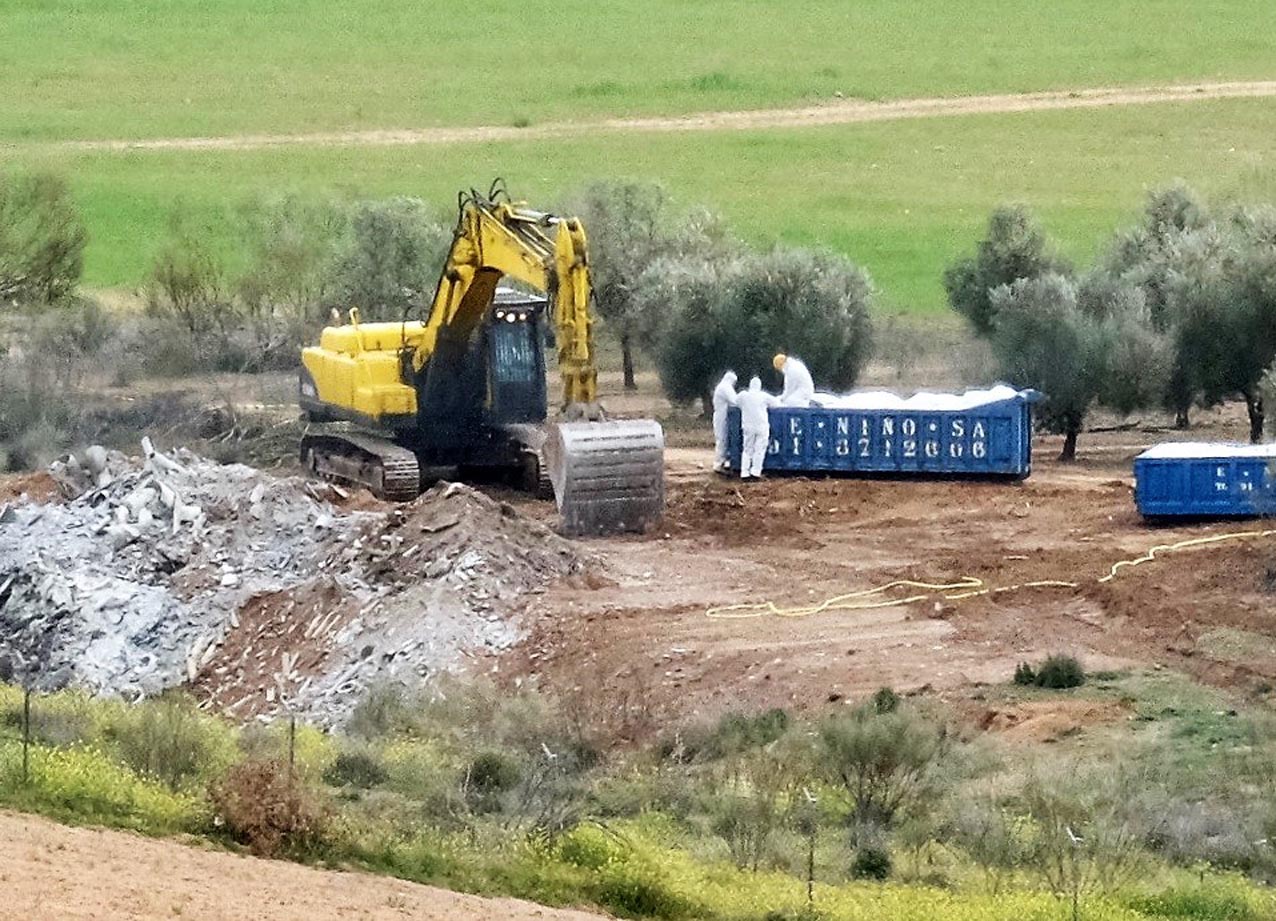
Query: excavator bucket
x=608 y=477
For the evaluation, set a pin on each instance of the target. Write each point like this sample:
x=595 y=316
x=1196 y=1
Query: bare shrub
x=1084 y=838
x=39 y=419
x=887 y=762
x=188 y=284
x=262 y=806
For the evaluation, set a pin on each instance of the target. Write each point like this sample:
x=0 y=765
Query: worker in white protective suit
x=755 y=425
x=724 y=398
x=799 y=389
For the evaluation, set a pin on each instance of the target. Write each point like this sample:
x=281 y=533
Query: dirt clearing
x=796 y=542
x=54 y=873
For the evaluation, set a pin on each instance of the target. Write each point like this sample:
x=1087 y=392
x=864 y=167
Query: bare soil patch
x=55 y=873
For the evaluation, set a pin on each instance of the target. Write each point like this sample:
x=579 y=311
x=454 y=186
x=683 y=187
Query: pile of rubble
x=258 y=591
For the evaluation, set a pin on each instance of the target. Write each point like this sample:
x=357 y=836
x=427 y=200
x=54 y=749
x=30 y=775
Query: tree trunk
x=1181 y=420
x=627 y=360
x=706 y=404
x=1069 y=452
x=1254 y=404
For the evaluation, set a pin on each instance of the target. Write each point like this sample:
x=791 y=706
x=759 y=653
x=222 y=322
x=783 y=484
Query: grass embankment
x=161 y=68
x=450 y=793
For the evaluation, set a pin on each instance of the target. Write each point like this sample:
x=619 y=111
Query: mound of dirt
x=1049 y=720
x=441 y=579
x=258 y=590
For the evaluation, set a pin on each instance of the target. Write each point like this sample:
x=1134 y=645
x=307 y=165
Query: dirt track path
x=55 y=873
x=842 y=112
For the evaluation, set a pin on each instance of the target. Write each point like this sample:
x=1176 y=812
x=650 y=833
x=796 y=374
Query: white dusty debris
x=257 y=591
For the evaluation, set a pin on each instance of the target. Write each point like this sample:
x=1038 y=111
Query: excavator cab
x=513 y=340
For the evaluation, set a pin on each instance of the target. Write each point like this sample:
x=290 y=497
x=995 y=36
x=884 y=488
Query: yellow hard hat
x=779 y=361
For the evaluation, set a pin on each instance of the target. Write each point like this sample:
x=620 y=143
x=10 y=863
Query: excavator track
x=539 y=483
x=389 y=471
x=608 y=477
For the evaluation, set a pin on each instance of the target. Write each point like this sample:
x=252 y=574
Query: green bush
x=591 y=847
x=383 y=711
x=1059 y=672
x=1208 y=902
x=885 y=700
x=1025 y=675
x=390 y=258
x=488 y=776
x=885 y=762
x=732 y=734
x=358 y=769
x=42 y=239
x=169 y=739
x=871 y=862
x=637 y=888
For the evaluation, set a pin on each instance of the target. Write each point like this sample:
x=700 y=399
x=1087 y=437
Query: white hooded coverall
x=723 y=399
x=755 y=426
x=799 y=389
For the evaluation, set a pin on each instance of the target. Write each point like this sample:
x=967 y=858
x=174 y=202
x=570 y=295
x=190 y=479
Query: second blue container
x=978 y=433
x=1201 y=480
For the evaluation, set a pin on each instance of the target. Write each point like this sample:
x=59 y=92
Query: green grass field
x=901 y=198
x=104 y=68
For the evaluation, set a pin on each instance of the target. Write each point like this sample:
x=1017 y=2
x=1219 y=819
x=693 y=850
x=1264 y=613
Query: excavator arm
x=497 y=239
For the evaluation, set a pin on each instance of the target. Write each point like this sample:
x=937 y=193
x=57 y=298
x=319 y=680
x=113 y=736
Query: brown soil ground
x=645 y=634
x=54 y=873
x=838 y=112
x=33 y=487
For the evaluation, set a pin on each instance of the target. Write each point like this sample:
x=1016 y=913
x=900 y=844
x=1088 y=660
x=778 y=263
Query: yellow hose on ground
x=1160 y=549
x=963 y=588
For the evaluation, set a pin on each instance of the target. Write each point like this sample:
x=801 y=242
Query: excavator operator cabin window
x=514 y=352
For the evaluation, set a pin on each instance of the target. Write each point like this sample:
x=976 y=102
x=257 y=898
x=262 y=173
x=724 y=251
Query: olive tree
x=1145 y=255
x=631 y=226
x=390 y=259
x=1175 y=226
x=1222 y=298
x=1014 y=247
x=737 y=313
x=1080 y=343
x=290 y=244
x=1043 y=340
x=42 y=239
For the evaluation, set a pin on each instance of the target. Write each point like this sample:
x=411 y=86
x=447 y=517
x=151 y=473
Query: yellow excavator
x=465 y=386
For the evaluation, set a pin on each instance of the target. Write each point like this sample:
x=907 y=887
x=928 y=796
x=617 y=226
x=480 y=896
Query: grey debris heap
x=257 y=591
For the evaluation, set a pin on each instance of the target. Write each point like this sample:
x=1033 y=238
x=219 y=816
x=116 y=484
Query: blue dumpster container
x=1211 y=480
x=976 y=433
